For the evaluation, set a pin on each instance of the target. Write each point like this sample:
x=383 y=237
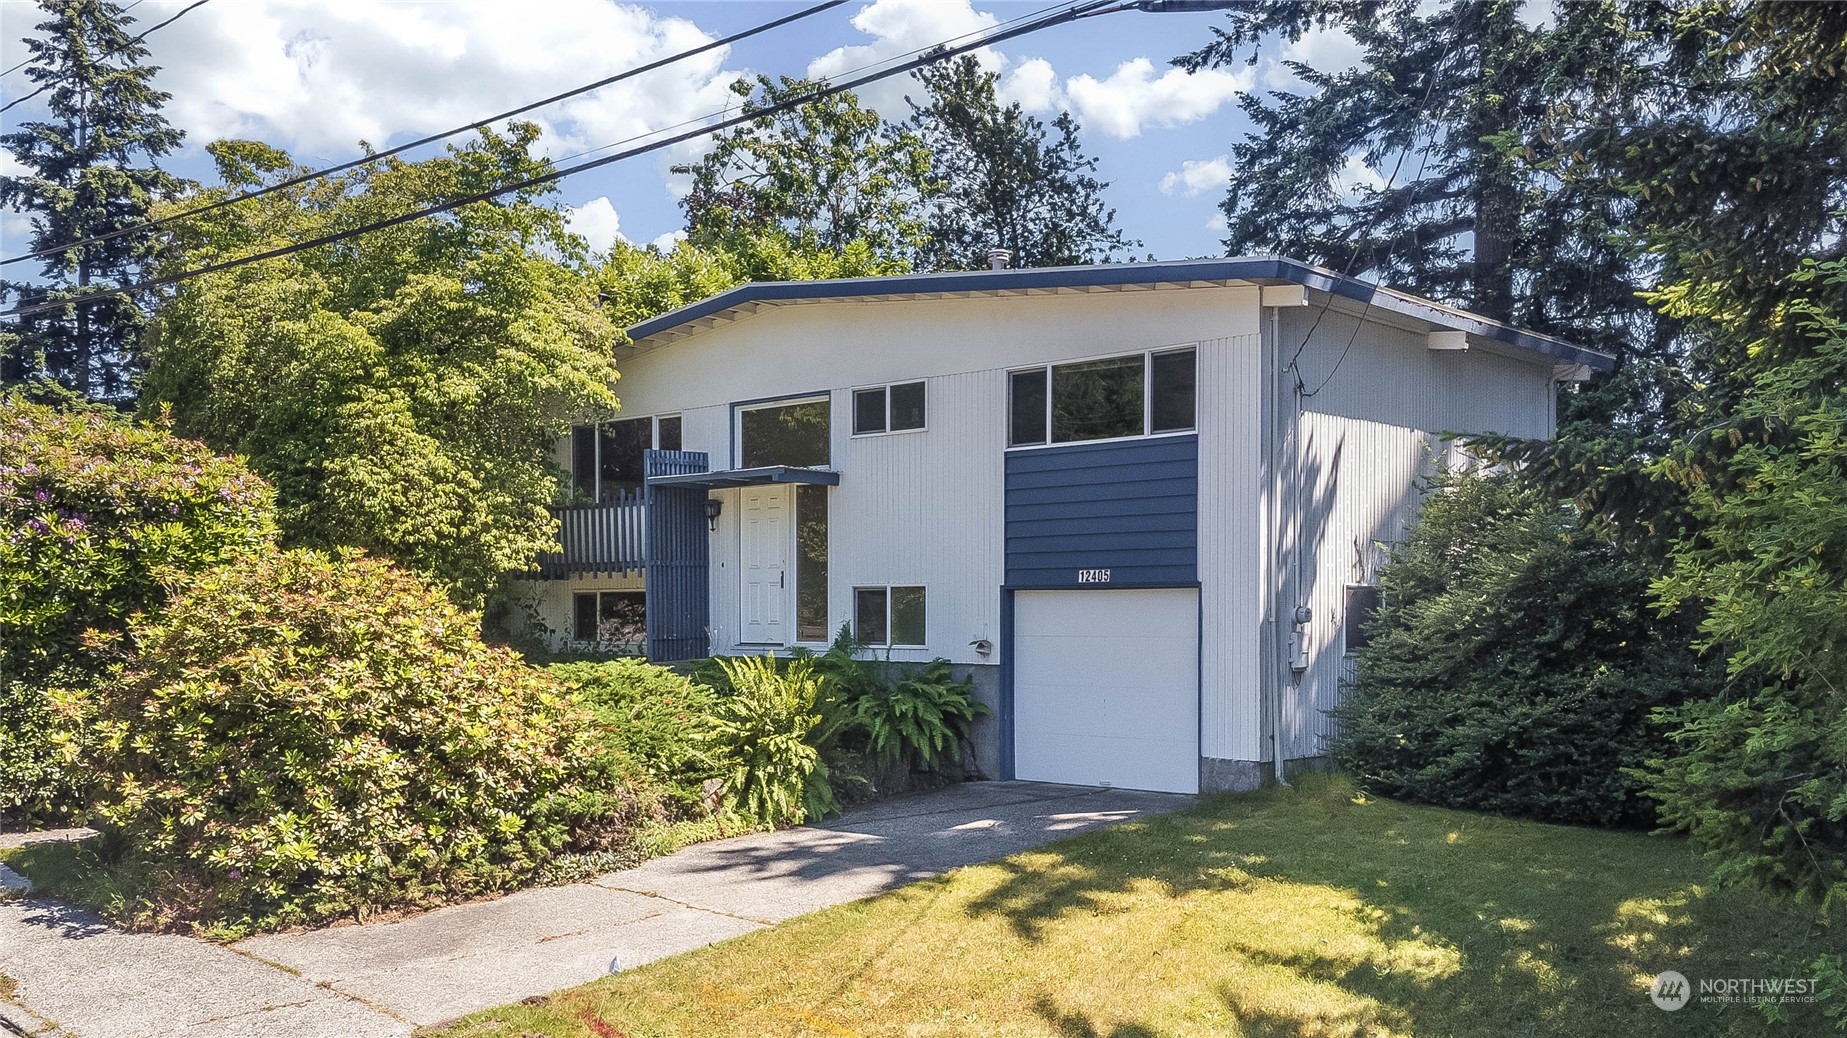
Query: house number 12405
x=1093 y=576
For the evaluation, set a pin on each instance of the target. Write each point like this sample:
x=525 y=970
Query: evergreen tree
x=90 y=171
x=1450 y=161
x=1002 y=179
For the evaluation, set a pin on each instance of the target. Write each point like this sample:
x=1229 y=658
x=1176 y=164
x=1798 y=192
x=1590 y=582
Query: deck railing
x=603 y=539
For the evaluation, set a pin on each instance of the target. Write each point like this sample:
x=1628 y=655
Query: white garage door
x=1106 y=688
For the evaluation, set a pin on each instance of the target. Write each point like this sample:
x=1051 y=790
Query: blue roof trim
x=1243 y=268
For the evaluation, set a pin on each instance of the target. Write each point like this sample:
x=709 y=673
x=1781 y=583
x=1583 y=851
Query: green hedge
x=1513 y=665
x=299 y=737
x=97 y=516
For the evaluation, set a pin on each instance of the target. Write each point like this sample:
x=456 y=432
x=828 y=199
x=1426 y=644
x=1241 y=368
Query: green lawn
x=1304 y=912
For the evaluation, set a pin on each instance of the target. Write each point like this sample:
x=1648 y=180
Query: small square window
x=583 y=616
x=1362 y=603
x=868 y=411
x=670 y=433
x=889 y=616
x=1174 y=397
x=1027 y=390
x=907 y=616
x=907 y=406
x=869 y=618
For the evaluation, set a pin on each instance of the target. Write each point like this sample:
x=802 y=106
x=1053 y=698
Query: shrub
x=657 y=717
x=921 y=720
x=94 y=511
x=1513 y=664
x=299 y=737
x=762 y=729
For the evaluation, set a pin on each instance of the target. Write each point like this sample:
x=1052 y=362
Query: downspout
x=1280 y=651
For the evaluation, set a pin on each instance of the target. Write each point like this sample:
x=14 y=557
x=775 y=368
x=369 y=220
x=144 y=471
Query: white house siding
x=1231 y=497
x=1363 y=438
x=919 y=507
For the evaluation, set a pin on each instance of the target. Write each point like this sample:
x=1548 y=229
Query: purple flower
x=76 y=523
x=41 y=496
x=37 y=526
x=235 y=874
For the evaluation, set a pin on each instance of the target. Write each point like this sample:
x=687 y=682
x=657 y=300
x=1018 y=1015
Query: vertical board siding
x=679 y=584
x=1231 y=506
x=1131 y=508
x=923 y=508
x=1358 y=497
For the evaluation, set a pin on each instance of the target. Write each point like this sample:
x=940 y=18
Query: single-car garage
x=1106 y=687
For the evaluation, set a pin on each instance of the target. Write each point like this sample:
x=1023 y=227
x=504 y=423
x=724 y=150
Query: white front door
x=1106 y=688
x=763 y=558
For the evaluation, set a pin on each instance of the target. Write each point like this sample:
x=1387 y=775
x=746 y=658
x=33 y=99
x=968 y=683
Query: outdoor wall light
x=713 y=506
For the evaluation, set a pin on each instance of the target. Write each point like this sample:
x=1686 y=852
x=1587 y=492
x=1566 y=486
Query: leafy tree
x=403 y=393
x=639 y=282
x=87 y=172
x=1514 y=664
x=824 y=174
x=1760 y=777
x=1000 y=179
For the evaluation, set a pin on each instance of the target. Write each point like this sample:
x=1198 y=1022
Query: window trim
x=888 y=643
x=886 y=388
x=1147 y=432
x=738 y=407
x=596 y=596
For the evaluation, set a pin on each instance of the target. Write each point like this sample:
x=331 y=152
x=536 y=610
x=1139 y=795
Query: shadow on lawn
x=1381 y=916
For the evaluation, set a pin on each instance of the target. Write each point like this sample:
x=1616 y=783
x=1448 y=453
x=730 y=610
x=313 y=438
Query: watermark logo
x=1672 y=990
x=1669 y=991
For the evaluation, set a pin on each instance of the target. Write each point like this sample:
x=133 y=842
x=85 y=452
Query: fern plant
x=923 y=719
x=764 y=727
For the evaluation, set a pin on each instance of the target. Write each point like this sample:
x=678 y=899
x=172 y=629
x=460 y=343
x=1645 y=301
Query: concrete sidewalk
x=88 y=980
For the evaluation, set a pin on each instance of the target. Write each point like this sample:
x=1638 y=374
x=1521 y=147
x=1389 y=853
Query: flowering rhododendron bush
x=299 y=737
x=97 y=514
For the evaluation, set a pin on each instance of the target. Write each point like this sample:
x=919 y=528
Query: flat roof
x=1252 y=269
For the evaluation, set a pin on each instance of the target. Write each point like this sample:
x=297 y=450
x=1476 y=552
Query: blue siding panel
x=678 y=562
x=1130 y=507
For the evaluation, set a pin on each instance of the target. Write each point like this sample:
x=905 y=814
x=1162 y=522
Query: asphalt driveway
x=388 y=978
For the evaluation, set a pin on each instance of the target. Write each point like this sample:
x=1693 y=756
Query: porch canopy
x=758 y=477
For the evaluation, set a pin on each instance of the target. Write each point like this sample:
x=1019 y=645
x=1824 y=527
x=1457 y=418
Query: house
x=1143 y=505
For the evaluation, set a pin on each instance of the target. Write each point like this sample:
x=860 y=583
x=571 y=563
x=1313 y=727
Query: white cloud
x=1356 y=174
x=899 y=27
x=1328 y=50
x=15 y=234
x=316 y=76
x=1538 y=14
x=1034 y=84
x=666 y=242
x=597 y=222
x=1216 y=222
x=1133 y=97
x=1197 y=175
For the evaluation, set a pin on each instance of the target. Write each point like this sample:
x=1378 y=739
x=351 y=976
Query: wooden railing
x=602 y=539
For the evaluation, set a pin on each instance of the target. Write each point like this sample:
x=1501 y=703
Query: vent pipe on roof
x=999 y=258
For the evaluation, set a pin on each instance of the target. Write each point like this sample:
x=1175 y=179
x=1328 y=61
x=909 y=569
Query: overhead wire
x=1300 y=384
x=318 y=174
x=931 y=56
x=113 y=50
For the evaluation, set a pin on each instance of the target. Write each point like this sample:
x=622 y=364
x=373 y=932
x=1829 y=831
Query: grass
x=1301 y=912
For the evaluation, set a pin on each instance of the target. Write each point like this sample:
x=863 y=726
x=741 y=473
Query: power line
x=113 y=50
x=432 y=138
x=1071 y=13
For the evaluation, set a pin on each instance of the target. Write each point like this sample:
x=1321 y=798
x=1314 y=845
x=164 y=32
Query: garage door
x=1106 y=688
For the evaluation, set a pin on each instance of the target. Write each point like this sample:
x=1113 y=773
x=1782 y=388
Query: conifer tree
x=88 y=171
x=1001 y=178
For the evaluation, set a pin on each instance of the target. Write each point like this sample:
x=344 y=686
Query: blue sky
x=316 y=76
